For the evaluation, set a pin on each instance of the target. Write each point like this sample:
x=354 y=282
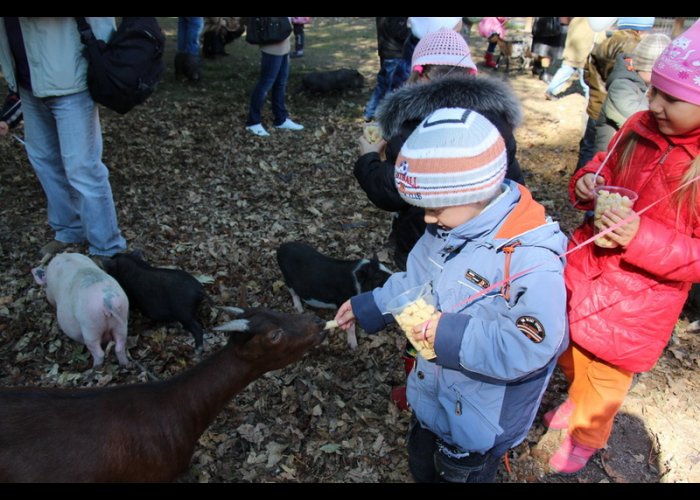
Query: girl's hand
x=369 y=147
x=585 y=185
x=345 y=317
x=425 y=333
x=624 y=234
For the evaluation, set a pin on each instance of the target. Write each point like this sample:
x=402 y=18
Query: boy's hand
x=585 y=185
x=4 y=129
x=345 y=317
x=425 y=333
x=371 y=147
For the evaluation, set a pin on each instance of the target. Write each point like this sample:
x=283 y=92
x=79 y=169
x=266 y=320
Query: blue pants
x=188 y=31
x=274 y=71
x=64 y=145
x=430 y=465
x=392 y=74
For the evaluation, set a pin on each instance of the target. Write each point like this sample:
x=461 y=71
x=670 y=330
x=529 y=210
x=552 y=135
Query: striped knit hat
x=454 y=157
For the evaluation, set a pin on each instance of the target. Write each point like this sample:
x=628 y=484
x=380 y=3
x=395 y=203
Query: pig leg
x=195 y=328
x=352 y=337
x=95 y=348
x=297 y=301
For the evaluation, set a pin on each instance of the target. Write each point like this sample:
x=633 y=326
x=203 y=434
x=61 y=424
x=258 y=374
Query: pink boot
x=558 y=418
x=571 y=457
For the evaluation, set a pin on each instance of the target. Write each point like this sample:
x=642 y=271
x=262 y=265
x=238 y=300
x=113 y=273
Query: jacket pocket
x=473 y=418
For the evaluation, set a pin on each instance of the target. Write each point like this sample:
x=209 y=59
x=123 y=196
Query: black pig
x=329 y=81
x=325 y=282
x=160 y=294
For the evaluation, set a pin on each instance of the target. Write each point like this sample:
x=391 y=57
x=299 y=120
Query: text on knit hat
x=454 y=157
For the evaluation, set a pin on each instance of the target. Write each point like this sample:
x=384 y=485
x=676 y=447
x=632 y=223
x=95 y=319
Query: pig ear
x=39 y=275
x=237 y=325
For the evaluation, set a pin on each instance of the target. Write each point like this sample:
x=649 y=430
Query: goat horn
x=233 y=310
x=237 y=325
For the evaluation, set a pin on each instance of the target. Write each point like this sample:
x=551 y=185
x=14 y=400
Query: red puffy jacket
x=624 y=303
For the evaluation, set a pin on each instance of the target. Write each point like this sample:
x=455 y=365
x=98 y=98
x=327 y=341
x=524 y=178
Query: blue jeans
x=64 y=145
x=188 y=31
x=392 y=74
x=562 y=76
x=274 y=71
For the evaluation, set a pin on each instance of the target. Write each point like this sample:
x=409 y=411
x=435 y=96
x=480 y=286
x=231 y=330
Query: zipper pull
x=663 y=156
x=458 y=408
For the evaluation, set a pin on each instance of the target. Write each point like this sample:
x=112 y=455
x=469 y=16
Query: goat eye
x=276 y=335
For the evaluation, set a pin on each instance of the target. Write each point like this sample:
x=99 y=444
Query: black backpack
x=124 y=71
x=267 y=30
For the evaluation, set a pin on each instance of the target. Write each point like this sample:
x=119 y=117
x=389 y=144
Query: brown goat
x=144 y=432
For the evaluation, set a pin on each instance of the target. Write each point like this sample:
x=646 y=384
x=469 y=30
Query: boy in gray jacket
x=493 y=260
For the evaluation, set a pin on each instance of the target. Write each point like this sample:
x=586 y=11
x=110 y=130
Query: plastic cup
x=607 y=197
x=372 y=132
x=414 y=307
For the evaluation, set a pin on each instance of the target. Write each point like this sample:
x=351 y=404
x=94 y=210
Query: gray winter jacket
x=625 y=97
x=495 y=352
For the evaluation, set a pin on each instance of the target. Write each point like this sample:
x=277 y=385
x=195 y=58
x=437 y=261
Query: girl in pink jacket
x=493 y=28
x=298 y=27
x=624 y=301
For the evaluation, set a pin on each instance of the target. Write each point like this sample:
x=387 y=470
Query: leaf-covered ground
x=195 y=191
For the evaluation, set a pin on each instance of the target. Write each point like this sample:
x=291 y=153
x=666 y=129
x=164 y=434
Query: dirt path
x=196 y=192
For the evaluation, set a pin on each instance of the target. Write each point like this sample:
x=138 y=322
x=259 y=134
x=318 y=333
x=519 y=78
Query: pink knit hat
x=445 y=47
x=677 y=70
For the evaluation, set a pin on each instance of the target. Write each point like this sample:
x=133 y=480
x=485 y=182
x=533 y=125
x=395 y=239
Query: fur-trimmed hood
x=414 y=102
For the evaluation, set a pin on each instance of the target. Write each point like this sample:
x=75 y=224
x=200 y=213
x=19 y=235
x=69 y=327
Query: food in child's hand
x=372 y=133
x=412 y=315
x=331 y=324
x=607 y=200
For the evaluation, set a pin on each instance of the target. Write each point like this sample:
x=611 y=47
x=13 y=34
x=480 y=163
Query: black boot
x=180 y=64
x=192 y=68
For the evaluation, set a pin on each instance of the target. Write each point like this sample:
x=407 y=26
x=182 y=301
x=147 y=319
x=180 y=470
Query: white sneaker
x=289 y=125
x=258 y=130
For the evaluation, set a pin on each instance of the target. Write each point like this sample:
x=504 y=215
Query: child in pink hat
x=624 y=302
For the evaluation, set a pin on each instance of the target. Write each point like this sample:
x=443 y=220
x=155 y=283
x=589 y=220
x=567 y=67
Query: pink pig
x=91 y=306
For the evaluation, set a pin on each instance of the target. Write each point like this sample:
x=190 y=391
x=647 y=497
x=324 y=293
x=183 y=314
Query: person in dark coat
x=443 y=76
x=392 y=33
x=444 y=81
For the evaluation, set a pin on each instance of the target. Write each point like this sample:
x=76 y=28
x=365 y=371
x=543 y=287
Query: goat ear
x=237 y=325
x=39 y=275
x=236 y=311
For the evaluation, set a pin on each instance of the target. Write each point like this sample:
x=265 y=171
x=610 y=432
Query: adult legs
x=64 y=144
x=269 y=68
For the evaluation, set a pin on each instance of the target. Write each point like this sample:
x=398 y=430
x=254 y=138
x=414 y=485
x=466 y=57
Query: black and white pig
x=331 y=81
x=160 y=294
x=325 y=282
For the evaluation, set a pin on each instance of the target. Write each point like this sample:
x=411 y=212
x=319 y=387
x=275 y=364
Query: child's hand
x=585 y=185
x=4 y=128
x=369 y=147
x=624 y=234
x=345 y=317
x=426 y=332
